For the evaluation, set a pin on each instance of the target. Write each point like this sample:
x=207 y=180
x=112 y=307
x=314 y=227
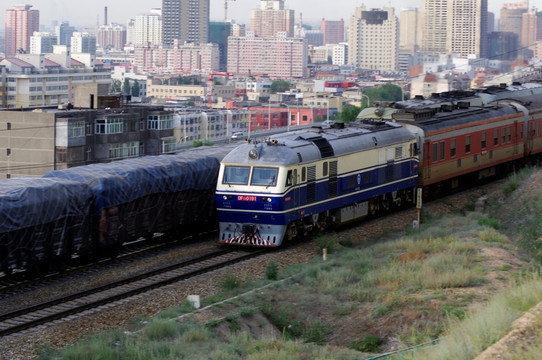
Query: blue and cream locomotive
x=294 y=182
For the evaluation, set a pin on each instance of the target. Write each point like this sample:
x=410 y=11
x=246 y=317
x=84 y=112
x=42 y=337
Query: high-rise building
x=64 y=33
x=503 y=46
x=83 y=42
x=333 y=31
x=147 y=28
x=111 y=36
x=434 y=29
x=373 y=39
x=272 y=18
x=42 y=42
x=512 y=17
x=185 y=21
x=467 y=28
x=219 y=31
x=409 y=29
x=21 y=22
x=279 y=56
x=531 y=28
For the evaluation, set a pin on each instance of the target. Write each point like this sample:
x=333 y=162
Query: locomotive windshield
x=264 y=176
x=237 y=175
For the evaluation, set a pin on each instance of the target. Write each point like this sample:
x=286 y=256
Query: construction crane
x=210 y=86
x=226 y=10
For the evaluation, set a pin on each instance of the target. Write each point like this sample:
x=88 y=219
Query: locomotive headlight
x=253 y=154
x=224 y=197
x=268 y=199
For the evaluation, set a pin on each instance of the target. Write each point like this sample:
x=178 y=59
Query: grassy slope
x=407 y=289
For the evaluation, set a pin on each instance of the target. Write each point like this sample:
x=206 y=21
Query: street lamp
x=368 y=100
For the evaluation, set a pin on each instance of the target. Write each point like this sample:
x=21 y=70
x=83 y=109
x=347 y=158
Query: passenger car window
x=237 y=175
x=264 y=176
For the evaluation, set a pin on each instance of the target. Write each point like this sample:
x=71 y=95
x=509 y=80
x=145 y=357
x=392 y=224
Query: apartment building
x=410 y=29
x=333 y=31
x=434 y=28
x=467 y=28
x=21 y=22
x=42 y=42
x=147 y=28
x=83 y=42
x=163 y=90
x=374 y=39
x=209 y=125
x=36 y=80
x=185 y=21
x=35 y=142
x=272 y=18
x=187 y=58
x=279 y=56
x=111 y=36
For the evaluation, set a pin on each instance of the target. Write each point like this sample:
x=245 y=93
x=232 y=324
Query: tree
x=387 y=92
x=349 y=113
x=115 y=86
x=135 y=88
x=126 y=87
x=279 y=86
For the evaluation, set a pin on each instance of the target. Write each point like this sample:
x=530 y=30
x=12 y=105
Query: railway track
x=24 y=280
x=38 y=314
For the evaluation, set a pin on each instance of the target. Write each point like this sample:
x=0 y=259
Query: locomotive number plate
x=246 y=198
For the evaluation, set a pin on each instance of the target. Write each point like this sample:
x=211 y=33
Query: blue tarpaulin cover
x=123 y=181
x=27 y=201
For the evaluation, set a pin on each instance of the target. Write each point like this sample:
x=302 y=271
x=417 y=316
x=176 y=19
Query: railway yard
x=120 y=314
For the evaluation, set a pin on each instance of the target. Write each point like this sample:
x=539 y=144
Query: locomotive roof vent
x=447 y=108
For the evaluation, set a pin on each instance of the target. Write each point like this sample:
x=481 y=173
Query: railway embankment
x=464 y=276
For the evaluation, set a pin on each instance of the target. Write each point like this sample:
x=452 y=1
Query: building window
x=8 y=152
x=77 y=129
x=123 y=150
x=61 y=155
x=109 y=126
x=168 y=146
x=8 y=126
x=160 y=122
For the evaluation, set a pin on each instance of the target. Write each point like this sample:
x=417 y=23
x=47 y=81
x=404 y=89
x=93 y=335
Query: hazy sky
x=84 y=13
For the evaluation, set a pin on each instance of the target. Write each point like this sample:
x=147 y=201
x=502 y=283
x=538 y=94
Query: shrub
x=489 y=222
x=369 y=343
x=492 y=236
x=316 y=333
x=272 y=270
x=231 y=282
x=327 y=241
x=161 y=329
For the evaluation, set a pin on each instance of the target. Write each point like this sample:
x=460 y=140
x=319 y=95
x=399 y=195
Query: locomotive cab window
x=237 y=175
x=291 y=178
x=264 y=176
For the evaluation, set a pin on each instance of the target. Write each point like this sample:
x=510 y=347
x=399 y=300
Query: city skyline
x=239 y=10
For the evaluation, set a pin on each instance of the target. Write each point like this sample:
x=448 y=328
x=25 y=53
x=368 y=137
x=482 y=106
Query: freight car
x=293 y=182
x=267 y=192
x=91 y=211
